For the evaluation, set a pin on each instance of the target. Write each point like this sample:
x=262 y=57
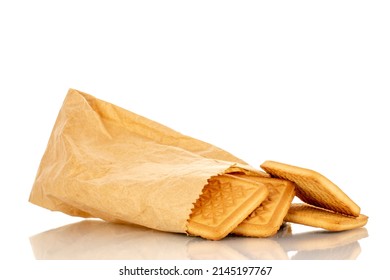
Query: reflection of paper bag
x=98 y=240
x=103 y=161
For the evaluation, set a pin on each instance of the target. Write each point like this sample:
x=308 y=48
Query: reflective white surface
x=94 y=239
x=301 y=82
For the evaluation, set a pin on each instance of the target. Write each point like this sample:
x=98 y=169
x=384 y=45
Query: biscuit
x=224 y=203
x=313 y=188
x=302 y=213
x=266 y=220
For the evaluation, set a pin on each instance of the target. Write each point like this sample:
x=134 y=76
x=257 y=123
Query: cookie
x=224 y=203
x=302 y=213
x=313 y=188
x=266 y=220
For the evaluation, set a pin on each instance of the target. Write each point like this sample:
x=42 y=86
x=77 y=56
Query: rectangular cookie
x=224 y=203
x=266 y=220
x=305 y=214
x=313 y=188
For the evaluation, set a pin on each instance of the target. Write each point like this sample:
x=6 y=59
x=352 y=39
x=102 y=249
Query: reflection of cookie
x=268 y=217
x=224 y=203
x=347 y=252
x=200 y=249
x=302 y=213
x=313 y=188
x=321 y=239
x=257 y=248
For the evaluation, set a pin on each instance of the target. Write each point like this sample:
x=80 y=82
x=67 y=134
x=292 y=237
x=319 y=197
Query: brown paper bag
x=105 y=162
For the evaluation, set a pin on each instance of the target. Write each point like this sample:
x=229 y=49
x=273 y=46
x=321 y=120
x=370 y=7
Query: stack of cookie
x=258 y=205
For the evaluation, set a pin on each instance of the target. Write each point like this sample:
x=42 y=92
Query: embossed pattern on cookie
x=268 y=217
x=224 y=203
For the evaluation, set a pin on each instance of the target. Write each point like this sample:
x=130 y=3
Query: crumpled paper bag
x=106 y=162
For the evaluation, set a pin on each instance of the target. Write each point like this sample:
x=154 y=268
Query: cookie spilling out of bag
x=325 y=204
x=102 y=161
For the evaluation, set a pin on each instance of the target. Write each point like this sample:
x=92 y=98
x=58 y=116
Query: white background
x=301 y=82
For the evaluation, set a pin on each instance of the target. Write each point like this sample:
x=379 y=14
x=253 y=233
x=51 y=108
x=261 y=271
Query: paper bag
x=105 y=162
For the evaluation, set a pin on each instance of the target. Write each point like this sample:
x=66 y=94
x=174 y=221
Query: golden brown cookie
x=313 y=188
x=224 y=203
x=266 y=220
x=302 y=213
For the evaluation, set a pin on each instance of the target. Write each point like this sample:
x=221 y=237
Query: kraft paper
x=105 y=162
